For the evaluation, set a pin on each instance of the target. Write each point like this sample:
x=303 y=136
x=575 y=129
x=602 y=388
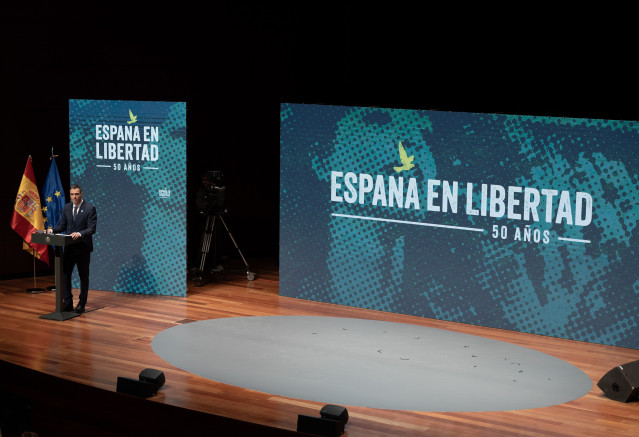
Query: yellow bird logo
x=133 y=118
x=407 y=161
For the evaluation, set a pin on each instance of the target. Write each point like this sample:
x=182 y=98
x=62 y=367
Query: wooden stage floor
x=114 y=339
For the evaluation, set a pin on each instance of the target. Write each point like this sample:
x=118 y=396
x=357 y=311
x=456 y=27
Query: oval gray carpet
x=369 y=363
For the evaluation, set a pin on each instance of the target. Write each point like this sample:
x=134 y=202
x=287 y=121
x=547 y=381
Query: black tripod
x=207 y=236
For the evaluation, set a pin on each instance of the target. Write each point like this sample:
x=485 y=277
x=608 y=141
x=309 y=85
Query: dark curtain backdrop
x=234 y=65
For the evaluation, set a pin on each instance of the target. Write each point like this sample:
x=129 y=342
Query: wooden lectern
x=58 y=241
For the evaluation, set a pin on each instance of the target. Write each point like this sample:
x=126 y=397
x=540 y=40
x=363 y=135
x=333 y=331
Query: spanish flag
x=27 y=214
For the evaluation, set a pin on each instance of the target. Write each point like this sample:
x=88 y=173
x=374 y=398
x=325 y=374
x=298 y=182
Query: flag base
x=35 y=290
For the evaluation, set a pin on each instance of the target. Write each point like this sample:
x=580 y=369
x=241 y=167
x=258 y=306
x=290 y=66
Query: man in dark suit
x=78 y=220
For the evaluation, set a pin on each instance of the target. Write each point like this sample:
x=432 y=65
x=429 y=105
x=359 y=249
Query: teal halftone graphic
x=555 y=262
x=135 y=175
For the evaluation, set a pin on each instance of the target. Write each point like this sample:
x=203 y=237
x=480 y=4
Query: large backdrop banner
x=130 y=159
x=508 y=221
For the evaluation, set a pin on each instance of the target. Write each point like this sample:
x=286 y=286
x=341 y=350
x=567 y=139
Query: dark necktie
x=75 y=211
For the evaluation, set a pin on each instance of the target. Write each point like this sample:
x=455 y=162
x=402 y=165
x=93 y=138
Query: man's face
x=76 y=195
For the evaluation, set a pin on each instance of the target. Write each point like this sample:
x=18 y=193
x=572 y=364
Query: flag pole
x=35 y=289
x=51 y=158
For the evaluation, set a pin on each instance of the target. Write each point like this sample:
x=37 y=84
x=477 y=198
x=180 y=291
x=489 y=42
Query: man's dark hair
x=74 y=186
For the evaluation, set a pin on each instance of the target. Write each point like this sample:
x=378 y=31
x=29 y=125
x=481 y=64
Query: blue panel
x=514 y=222
x=132 y=167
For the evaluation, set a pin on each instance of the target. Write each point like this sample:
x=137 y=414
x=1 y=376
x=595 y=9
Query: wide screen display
x=517 y=222
x=130 y=160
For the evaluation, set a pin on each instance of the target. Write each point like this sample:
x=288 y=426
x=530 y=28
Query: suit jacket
x=85 y=222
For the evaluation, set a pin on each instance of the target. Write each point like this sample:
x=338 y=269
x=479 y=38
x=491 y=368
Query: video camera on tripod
x=211 y=202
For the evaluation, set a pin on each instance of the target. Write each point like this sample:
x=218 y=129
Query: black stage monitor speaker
x=136 y=387
x=153 y=376
x=334 y=412
x=621 y=383
x=319 y=426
